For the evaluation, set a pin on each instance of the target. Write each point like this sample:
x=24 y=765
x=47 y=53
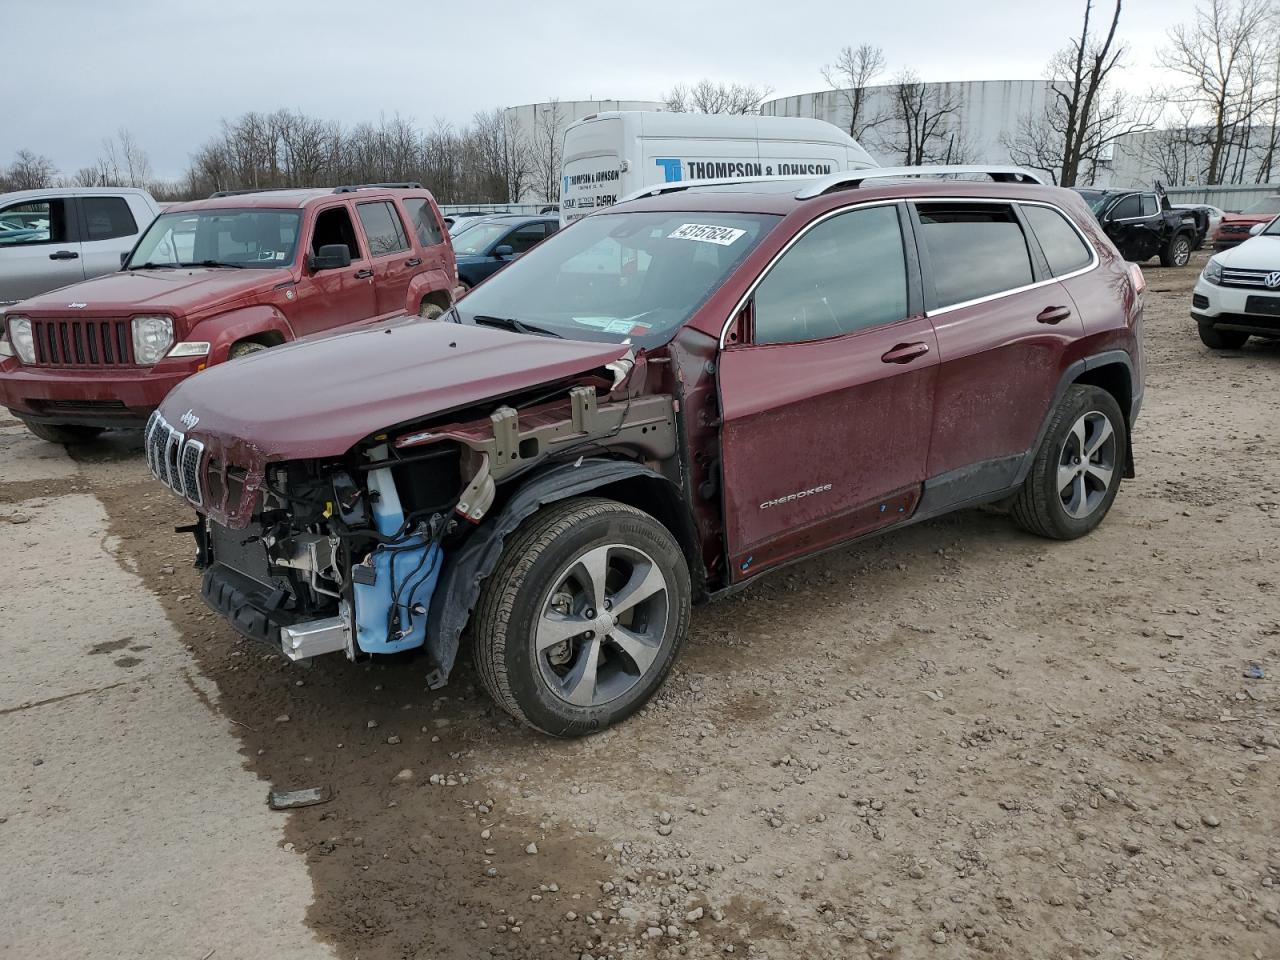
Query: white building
x=986 y=112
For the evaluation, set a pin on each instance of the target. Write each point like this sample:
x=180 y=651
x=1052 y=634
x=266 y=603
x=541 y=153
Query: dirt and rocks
x=954 y=741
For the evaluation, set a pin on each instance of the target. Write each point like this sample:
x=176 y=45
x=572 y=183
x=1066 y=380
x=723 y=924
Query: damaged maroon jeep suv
x=653 y=407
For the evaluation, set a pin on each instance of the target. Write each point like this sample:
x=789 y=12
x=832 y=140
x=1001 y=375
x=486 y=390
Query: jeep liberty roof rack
x=853 y=178
x=349 y=188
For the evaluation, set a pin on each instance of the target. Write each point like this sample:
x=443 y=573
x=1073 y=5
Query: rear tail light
x=1137 y=279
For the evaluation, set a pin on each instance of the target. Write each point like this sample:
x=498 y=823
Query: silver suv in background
x=61 y=235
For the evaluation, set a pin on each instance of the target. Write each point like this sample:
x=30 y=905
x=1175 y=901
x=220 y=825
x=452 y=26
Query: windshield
x=474 y=238
x=1273 y=228
x=1097 y=199
x=1267 y=207
x=262 y=239
x=620 y=276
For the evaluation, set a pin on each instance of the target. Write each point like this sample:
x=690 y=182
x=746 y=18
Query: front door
x=333 y=298
x=39 y=248
x=1134 y=225
x=827 y=405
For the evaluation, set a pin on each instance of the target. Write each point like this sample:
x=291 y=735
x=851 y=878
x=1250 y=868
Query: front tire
x=1177 y=252
x=582 y=619
x=66 y=434
x=1076 y=473
x=245 y=348
x=1216 y=339
x=430 y=311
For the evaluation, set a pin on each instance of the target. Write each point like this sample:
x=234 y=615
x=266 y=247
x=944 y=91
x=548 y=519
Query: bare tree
x=1175 y=151
x=546 y=150
x=924 y=126
x=709 y=96
x=1084 y=116
x=1222 y=55
x=29 y=171
x=849 y=77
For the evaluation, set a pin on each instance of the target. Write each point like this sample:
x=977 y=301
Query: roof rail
x=657 y=189
x=855 y=178
x=239 y=193
x=352 y=188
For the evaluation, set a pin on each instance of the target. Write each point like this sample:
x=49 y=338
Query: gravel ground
x=955 y=741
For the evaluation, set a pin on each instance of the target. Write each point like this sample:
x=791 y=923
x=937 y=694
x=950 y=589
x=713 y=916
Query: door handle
x=414 y=262
x=1053 y=314
x=64 y=255
x=363 y=274
x=905 y=352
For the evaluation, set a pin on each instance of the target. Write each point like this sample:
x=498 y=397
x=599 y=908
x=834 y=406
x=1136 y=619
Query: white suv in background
x=61 y=235
x=1238 y=294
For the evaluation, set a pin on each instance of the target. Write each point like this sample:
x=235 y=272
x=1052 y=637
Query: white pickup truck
x=60 y=235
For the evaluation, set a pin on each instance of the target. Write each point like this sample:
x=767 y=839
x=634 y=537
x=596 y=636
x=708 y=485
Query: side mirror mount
x=504 y=250
x=124 y=258
x=332 y=256
x=1256 y=229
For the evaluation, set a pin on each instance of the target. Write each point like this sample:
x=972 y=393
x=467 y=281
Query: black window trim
x=915 y=299
x=932 y=310
x=74 y=233
x=395 y=212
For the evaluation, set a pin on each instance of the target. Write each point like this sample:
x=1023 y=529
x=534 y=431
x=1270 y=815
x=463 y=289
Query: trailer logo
x=189 y=420
x=798 y=495
x=1272 y=280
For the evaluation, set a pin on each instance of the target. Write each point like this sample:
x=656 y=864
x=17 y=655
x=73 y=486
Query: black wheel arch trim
x=471 y=564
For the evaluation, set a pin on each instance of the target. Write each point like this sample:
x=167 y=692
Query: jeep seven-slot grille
x=82 y=343
x=174 y=459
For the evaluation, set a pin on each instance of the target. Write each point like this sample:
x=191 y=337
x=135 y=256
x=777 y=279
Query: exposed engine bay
x=347 y=554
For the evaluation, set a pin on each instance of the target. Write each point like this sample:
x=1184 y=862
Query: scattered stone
x=694 y=915
x=939 y=936
x=283 y=718
x=1210 y=820
x=393 y=740
x=404 y=776
x=531 y=849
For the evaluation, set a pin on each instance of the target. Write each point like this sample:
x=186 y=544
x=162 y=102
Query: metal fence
x=451 y=209
x=1230 y=197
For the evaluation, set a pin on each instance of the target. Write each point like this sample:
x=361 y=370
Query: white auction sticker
x=706 y=233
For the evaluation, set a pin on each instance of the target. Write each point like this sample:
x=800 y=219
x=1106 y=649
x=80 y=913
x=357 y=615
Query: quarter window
x=106 y=218
x=424 y=221
x=383 y=229
x=846 y=274
x=975 y=250
x=1062 y=245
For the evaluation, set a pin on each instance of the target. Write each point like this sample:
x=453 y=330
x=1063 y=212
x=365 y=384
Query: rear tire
x=62 y=433
x=1177 y=252
x=588 y=563
x=1216 y=339
x=1076 y=473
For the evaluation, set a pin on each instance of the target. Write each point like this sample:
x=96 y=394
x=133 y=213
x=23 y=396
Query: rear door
x=107 y=229
x=1003 y=325
x=390 y=252
x=333 y=298
x=827 y=405
x=39 y=247
x=434 y=255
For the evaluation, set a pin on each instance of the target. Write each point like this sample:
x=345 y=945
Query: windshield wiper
x=153 y=266
x=518 y=326
x=214 y=263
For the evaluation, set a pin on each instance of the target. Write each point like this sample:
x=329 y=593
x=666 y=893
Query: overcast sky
x=75 y=71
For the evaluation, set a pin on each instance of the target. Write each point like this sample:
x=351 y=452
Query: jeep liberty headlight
x=152 y=337
x=21 y=337
x=1213 y=271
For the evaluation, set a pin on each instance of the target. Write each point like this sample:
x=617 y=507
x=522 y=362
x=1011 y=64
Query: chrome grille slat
x=174 y=459
x=1243 y=277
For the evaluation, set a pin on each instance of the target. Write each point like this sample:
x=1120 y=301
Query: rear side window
x=1149 y=205
x=1062 y=245
x=106 y=218
x=33 y=222
x=424 y=221
x=975 y=250
x=846 y=274
x=383 y=228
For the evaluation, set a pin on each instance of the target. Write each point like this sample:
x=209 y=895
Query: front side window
x=975 y=250
x=846 y=274
x=526 y=238
x=258 y=239
x=382 y=228
x=424 y=221
x=106 y=218
x=34 y=222
x=1127 y=209
x=1063 y=247
x=333 y=226
x=619 y=276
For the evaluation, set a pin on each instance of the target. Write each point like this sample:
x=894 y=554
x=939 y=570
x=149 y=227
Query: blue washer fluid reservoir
x=404 y=576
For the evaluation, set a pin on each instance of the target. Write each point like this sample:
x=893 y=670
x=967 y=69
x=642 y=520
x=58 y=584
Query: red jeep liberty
x=214 y=280
x=655 y=406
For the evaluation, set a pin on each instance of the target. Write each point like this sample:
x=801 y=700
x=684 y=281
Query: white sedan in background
x=1238 y=294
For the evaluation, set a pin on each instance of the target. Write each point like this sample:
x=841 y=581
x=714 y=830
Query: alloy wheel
x=1086 y=464
x=601 y=625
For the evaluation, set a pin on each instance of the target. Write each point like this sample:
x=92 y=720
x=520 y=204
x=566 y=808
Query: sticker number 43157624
x=706 y=233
